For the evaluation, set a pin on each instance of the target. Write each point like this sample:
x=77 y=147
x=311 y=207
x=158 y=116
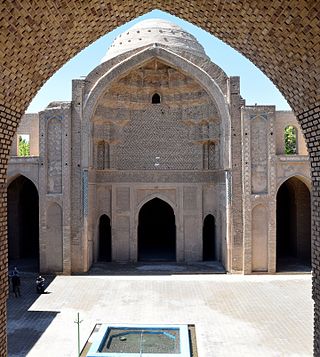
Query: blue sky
x=255 y=86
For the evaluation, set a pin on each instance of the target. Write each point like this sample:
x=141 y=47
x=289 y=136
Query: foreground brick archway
x=281 y=37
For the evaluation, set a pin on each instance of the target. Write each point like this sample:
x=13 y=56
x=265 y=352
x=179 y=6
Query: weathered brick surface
x=236 y=137
x=310 y=122
x=281 y=38
x=41 y=33
x=8 y=124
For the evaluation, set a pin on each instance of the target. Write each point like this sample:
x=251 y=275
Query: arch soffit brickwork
x=216 y=72
x=172 y=59
x=268 y=30
x=290 y=28
x=304 y=179
x=183 y=65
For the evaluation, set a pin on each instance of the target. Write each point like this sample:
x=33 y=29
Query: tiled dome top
x=152 y=31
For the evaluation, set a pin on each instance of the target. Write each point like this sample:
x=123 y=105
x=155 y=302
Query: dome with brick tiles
x=154 y=31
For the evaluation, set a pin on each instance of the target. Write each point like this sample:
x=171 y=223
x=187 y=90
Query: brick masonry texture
x=281 y=38
x=310 y=122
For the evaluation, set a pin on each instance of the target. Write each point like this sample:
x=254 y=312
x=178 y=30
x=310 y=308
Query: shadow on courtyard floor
x=155 y=268
x=25 y=327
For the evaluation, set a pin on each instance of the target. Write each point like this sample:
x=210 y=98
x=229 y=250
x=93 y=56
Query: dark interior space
x=156 y=232
x=23 y=220
x=208 y=236
x=156 y=98
x=293 y=226
x=104 y=239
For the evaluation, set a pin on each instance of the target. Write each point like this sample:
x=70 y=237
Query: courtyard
x=234 y=315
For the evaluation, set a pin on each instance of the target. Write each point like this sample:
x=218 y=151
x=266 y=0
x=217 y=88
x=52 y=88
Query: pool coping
x=185 y=350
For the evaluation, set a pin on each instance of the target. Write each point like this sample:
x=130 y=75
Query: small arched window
x=290 y=140
x=156 y=98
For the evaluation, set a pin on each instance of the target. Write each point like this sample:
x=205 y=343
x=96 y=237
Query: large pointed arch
x=290 y=28
x=176 y=61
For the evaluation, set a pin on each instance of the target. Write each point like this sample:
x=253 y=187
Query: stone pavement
x=234 y=315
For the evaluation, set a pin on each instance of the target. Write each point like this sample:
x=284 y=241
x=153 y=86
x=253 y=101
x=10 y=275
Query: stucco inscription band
x=259 y=32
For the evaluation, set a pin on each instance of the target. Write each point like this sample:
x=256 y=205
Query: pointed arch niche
x=156 y=232
x=209 y=238
x=105 y=245
x=293 y=226
x=23 y=220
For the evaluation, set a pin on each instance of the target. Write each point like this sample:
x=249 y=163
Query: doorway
x=104 y=239
x=156 y=232
x=293 y=226
x=23 y=223
x=209 y=239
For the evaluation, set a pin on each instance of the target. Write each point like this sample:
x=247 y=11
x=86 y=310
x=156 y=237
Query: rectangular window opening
x=23 y=145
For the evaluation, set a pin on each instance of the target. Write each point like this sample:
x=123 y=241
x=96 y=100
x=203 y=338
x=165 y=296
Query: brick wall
x=8 y=123
x=36 y=38
x=310 y=123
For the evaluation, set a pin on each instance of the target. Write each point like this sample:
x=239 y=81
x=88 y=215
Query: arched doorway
x=293 y=226
x=23 y=222
x=209 y=238
x=156 y=232
x=104 y=253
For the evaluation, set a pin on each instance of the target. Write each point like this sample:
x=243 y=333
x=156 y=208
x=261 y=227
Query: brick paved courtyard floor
x=234 y=315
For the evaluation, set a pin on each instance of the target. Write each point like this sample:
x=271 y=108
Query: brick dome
x=155 y=31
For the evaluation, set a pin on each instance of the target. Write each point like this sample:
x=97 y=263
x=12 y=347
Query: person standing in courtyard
x=16 y=282
x=40 y=284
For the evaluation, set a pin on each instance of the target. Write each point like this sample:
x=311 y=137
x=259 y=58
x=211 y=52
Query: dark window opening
x=156 y=98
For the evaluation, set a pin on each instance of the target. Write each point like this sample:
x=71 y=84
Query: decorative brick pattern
x=236 y=181
x=281 y=38
x=152 y=143
x=290 y=28
x=167 y=135
x=9 y=120
x=310 y=123
x=54 y=154
x=259 y=155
